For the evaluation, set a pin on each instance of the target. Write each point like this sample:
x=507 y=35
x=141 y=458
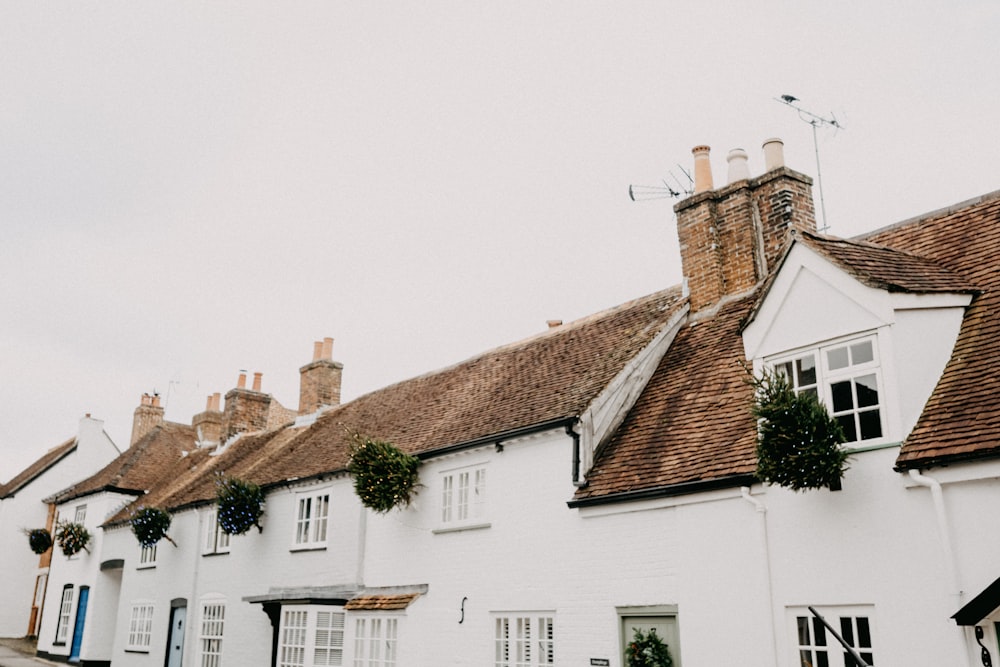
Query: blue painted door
x=81 y=617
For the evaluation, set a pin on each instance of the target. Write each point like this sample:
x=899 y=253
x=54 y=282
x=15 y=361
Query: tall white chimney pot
x=739 y=170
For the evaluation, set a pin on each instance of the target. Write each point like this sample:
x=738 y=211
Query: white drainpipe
x=762 y=511
x=944 y=533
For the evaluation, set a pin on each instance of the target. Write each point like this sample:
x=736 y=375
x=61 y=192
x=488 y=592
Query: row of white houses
x=597 y=479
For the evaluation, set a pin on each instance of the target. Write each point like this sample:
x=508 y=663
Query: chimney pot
x=739 y=170
x=256 y=381
x=155 y=401
x=553 y=323
x=328 y=349
x=317 y=350
x=774 y=154
x=241 y=383
x=216 y=400
x=702 y=169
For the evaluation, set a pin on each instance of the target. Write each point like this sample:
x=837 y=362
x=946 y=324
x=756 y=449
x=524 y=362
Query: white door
x=175 y=647
x=666 y=629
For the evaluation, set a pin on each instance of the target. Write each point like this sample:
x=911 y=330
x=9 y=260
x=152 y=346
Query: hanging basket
x=150 y=525
x=72 y=538
x=385 y=477
x=799 y=445
x=647 y=650
x=39 y=539
x=240 y=505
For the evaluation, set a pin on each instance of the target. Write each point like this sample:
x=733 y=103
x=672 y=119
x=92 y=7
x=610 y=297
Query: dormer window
x=846 y=378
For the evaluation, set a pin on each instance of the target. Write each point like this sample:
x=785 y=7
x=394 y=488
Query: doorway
x=81 y=618
x=663 y=619
x=175 y=638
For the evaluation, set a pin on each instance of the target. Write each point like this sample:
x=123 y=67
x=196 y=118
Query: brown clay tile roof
x=886 y=268
x=46 y=461
x=554 y=375
x=692 y=423
x=961 y=420
x=380 y=602
x=144 y=465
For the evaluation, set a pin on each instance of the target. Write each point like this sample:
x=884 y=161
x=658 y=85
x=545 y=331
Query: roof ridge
x=937 y=213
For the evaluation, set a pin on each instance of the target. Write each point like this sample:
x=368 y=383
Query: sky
x=191 y=189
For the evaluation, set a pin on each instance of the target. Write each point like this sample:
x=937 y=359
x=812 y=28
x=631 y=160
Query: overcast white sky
x=188 y=189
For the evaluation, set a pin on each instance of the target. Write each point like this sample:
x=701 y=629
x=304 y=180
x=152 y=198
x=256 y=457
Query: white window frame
x=826 y=377
x=80 y=514
x=211 y=626
x=463 y=498
x=311 y=635
x=217 y=541
x=147 y=556
x=524 y=639
x=376 y=640
x=65 y=614
x=312 y=520
x=140 y=627
x=807 y=639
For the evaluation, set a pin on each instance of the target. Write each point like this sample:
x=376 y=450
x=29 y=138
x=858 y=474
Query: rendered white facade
x=25 y=508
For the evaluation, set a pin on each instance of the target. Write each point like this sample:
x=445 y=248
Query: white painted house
x=24 y=574
x=600 y=477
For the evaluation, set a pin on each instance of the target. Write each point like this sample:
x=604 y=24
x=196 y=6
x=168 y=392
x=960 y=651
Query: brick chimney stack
x=208 y=424
x=731 y=237
x=146 y=417
x=319 y=385
x=246 y=409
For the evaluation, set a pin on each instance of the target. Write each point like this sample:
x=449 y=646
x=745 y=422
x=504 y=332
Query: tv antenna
x=646 y=192
x=815 y=121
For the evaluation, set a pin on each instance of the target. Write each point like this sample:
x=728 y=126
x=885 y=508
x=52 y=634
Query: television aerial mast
x=815 y=121
x=645 y=192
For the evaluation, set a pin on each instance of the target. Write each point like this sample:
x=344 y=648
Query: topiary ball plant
x=150 y=525
x=798 y=442
x=385 y=477
x=647 y=650
x=39 y=539
x=240 y=505
x=72 y=538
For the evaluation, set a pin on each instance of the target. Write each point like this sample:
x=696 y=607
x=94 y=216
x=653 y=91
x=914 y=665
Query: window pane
x=864 y=633
x=871 y=425
x=784 y=370
x=847 y=629
x=840 y=392
x=837 y=358
x=805 y=371
x=850 y=430
x=803 y=623
x=819 y=631
x=867 y=390
x=822 y=660
x=862 y=353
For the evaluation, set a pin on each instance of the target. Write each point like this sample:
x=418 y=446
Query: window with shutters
x=213 y=618
x=375 y=641
x=312 y=514
x=818 y=647
x=65 y=607
x=216 y=540
x=524 y=640
x=311 y=636
x=463 y=498
x=140 y=627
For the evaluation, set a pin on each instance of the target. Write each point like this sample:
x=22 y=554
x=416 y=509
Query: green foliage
x=39 y=539
x=72 y=538
x=150 y=525
x=241 y=505
x=647 y=650
x=798 y=442
x=385 y=477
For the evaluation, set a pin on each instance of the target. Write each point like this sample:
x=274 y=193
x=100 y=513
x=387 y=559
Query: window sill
x=209 y=554
x=461 y=527
x=308 y=547
x=137 y=650
x=147 y=566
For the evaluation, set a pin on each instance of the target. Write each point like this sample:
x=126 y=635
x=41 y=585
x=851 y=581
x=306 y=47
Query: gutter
x=670 y=490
